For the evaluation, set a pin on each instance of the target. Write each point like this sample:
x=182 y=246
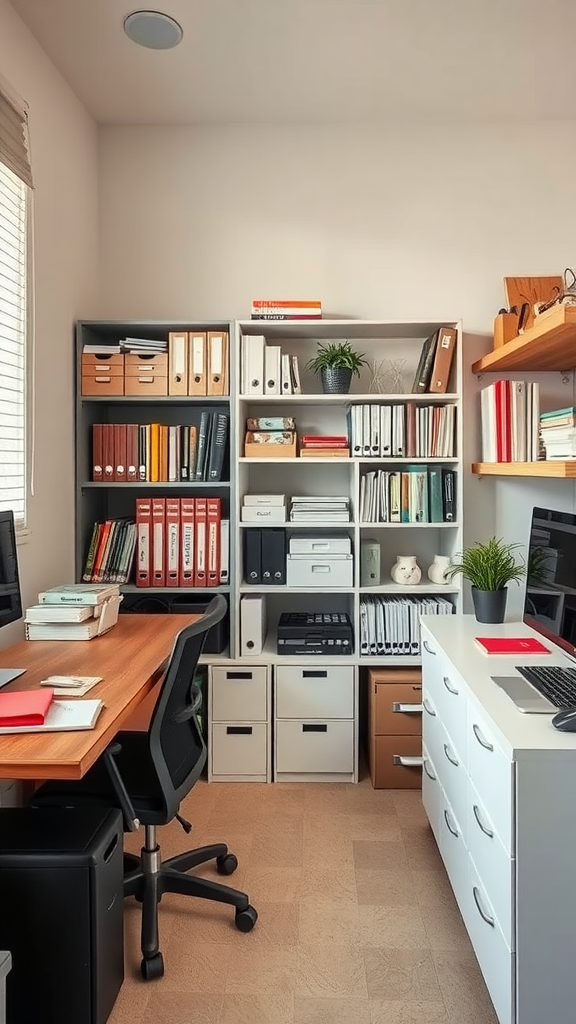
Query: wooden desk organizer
x=505 y=328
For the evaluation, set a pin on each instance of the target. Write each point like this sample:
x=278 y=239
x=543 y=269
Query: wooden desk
x=130 y=659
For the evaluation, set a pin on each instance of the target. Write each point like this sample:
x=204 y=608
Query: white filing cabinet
x=239 y=724
x=499 y=789
x=315 y=734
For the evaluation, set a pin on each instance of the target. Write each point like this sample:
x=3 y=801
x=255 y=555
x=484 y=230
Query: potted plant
x=489 y=568
x=336 y=362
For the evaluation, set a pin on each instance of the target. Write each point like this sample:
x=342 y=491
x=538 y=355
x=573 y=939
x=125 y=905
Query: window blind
x=13 y=267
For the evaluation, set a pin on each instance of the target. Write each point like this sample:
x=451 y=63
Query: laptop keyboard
x=557 y=684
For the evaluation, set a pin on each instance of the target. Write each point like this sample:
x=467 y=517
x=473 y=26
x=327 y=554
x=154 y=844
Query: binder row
x=181 y=542
x=510 y=412
x=156 y=453
x=198 y=363
x=111 y=551
x=266 y=369
x=391 y=626
x=265 y=557
x=405 y=430
x=418 y=494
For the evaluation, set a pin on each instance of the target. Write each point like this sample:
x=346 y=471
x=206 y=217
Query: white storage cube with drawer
x=315 y=723
x=502 y=818
x=239 y=723
x=322 y=571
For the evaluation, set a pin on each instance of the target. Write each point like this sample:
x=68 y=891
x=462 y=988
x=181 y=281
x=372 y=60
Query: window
x=15 y=180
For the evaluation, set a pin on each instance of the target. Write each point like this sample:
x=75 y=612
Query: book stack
x=144 y=345
x=405 y=429
x=510 y=412
x=418 y=494
x=270 y=437
x=266 y=369
x=286 y=309
x=111 y=551
x=37 y=711
x=391 y=626
x=322 y=446
x=327 y=509
x=73 y=612
x=128 y=452
x=558 y=433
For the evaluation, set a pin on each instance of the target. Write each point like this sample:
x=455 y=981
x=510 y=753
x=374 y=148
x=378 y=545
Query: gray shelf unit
x=95 y=501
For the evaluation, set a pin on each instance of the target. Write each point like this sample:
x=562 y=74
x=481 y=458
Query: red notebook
x=25 y=707
x=510 y=645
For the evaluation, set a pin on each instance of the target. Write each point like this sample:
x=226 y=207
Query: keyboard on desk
x=557 y=684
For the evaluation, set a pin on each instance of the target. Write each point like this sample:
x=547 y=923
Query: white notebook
x=48 y=613
x=63 y=715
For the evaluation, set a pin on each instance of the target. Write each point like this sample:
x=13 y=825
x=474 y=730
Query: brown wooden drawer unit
x=393 y=732
x=102 y=375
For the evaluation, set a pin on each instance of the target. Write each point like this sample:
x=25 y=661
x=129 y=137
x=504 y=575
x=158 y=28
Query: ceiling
x=318 y=61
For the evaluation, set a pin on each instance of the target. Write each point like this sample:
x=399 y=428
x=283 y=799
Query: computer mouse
x=565 y=720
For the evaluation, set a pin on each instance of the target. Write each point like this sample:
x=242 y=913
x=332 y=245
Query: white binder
x=272 y=369
x=253 y=364
x=252 y=624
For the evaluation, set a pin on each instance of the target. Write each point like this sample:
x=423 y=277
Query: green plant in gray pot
x=336 y=362
x=490 y=568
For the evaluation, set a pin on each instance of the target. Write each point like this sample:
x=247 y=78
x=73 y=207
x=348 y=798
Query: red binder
x=510 y=645
x=25 y=707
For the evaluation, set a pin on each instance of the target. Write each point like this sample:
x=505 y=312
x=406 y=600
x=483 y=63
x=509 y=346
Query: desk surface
x=130 y=659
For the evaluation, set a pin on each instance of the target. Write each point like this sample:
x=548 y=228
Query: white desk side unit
x=499 y=789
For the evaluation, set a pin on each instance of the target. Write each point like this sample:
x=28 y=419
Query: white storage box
x=266 y=500
x=316 y=544
x=321 y=571
x=264 y=514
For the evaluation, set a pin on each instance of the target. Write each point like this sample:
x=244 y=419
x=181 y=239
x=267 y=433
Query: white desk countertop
x=520 y=735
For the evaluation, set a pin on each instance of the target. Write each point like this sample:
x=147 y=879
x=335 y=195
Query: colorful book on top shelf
x=286 y=309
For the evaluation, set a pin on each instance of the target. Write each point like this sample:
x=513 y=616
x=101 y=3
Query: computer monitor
x=10 y=596
x=550 y=600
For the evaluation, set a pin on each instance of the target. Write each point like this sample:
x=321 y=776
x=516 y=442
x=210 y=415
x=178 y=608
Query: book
x=270 y=423
x=79 y=593
x=59 y=613
x=24 y=708
x=424 y=370
x=510 y=645
x=62 y=715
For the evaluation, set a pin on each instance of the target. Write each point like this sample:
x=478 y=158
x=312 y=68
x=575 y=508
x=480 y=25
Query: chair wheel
x=153 y=968
x=246 y=919
x=226 y=865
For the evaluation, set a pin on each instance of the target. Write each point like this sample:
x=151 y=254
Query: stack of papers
x=76 y=611
x=37 y=711
x=327 y=509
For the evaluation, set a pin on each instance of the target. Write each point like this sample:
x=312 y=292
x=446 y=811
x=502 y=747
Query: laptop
x=550 y=609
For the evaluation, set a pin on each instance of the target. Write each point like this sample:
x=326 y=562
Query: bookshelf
x=548 y=345
x=551 y=468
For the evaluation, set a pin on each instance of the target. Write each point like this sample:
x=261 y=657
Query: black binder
x=448 y=495
x=253 y=556
x=274 y=557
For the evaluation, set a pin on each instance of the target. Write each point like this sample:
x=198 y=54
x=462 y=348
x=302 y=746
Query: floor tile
x=385 y=888
x=328 y=971
x=401 y=974
x=373 y=854
x=253 y=972
x=182 y=1007
x=463 y=988
x=399 y=927
x=331 y=1011
x=385 y=1011
x=258 y=1009
x=334 y=922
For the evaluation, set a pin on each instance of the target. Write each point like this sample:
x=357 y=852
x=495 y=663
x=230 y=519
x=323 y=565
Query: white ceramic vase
x=406 y=570
x=437 y=570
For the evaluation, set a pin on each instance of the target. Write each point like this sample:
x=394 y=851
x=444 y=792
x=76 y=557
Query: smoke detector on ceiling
x=153 y=29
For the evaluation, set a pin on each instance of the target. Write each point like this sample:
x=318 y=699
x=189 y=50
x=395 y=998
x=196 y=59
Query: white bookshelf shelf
x=418 y=588
x=409 y=526
x=248 y=588
x=297 y=526
x=348 y=399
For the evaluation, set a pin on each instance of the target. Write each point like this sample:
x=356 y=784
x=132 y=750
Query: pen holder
x=505 y=328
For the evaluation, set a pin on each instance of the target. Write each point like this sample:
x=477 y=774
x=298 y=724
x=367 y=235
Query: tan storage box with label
x=146 y=374
x=103 y=375
x=395 y=727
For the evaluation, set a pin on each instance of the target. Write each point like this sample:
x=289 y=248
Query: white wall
x=385 y=222
x=64 y=165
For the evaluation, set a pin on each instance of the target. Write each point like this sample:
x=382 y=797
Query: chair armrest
x=193 y=707
x=131 y=821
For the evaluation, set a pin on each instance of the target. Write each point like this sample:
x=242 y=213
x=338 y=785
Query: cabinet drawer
x=315 y=746
x=93 y=365
x=239 y=749
x=314 y=692
x=492 y=774
x=146 y=384
x=454 y=852
x=497 y=962
x=386 y=771
x=396 y=709
x=493 y=863
x=451 y=773
x=238 y=694
x=446 y=688
x=431 y=793
x=102 y=384
x=138 y=364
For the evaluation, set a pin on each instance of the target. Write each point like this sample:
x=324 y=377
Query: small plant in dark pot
x=336 y=362
x=489 y=568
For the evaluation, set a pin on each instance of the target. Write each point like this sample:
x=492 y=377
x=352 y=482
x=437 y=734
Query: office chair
x=147 y=774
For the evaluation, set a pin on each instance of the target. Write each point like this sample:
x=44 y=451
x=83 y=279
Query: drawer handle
x=310 y=673
x=430 y=774
x=483 y=742
x=406 y=709
x=487 y=831
x=451 y=759
x=238 y=730
x=485 y=917
x=238 y=675
x=451 y=689
x=418 y=688
x=407 y=760
x=313 y=727
x=449 y=826
x=428 y=708
x=428 y=648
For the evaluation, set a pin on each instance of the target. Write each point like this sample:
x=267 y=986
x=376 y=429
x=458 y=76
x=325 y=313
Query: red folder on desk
x=25 y=707
x=511 y=645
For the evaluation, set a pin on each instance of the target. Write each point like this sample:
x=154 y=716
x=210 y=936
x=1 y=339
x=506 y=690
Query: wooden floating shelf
x=550 y=344
x=551 y=468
